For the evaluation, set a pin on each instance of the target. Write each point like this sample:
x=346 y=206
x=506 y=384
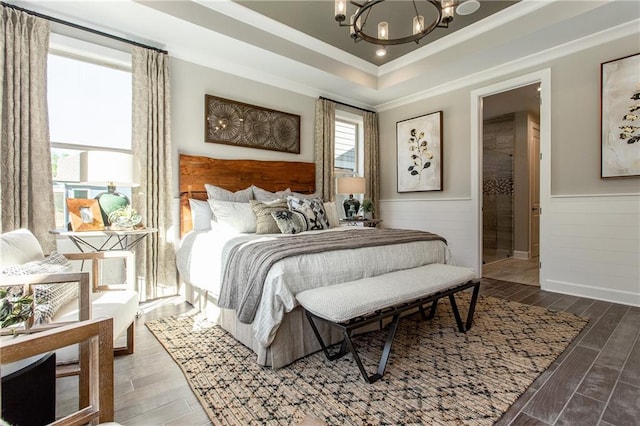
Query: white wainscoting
x=450 y=218
x=592 y=247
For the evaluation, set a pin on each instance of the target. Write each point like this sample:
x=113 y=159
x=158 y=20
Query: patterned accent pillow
x=56 y=262
x=290 y=222
x=265 y=223
x=312 y=209
x=48 y=297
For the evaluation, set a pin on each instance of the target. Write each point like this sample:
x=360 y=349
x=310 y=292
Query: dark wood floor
x=596 y=381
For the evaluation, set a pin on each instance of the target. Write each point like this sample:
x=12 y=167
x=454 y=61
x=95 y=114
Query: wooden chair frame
x=96 y=363
x=86 y=284
x=84 y=299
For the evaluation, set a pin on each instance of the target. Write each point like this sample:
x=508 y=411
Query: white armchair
x=20 y=247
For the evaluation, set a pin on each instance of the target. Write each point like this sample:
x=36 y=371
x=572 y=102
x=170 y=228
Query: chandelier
x=442 y=13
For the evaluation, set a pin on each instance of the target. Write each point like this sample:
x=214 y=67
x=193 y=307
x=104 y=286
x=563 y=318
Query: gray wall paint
x=575 y=132
x=455 y=112
x=189 y=84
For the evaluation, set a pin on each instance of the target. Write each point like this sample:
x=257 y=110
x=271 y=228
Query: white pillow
x=238 y=217
x=331 y=212
x=264 y=195
x=18 y=247
x=299 y=195
x=201 y=215
x=221 y=194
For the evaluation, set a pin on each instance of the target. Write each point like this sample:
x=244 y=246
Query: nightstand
x=370 y=223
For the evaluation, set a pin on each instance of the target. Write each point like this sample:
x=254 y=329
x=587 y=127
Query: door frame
x=543 y=77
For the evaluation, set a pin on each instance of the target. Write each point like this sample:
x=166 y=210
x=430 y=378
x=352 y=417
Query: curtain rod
x=347 y=105
x=80 y=27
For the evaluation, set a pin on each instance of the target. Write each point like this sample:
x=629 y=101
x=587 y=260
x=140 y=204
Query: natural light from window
x=89 y=108
x=89 y=104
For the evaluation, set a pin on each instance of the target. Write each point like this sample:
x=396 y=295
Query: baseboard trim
x=590 y=292
x=524 y=255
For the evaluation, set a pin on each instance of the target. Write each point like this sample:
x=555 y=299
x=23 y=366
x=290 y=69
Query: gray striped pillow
x=265 y=223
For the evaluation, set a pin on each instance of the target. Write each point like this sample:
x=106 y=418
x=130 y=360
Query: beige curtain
x=325 y=123
x=26 y=186
x=371 y=157
x=155 y=258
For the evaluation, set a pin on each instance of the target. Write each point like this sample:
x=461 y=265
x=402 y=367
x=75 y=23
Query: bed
x=278 y=332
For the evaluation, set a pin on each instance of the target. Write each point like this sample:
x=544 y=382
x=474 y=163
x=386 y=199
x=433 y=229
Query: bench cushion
x=342 y=302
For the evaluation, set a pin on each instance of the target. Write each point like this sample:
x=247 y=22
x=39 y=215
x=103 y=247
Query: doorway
x=510 y=180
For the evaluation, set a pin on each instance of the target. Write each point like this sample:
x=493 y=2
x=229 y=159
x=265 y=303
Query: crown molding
x=592 y=40
x=489 y=23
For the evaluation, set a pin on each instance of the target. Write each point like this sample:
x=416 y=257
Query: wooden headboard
x=235 y=175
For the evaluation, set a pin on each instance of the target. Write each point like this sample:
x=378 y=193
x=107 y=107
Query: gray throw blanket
x=248 y=264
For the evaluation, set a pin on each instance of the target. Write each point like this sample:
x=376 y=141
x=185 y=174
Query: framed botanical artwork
x=84 y=214
x=620 y=117
x=419 y=152
x=235 y=123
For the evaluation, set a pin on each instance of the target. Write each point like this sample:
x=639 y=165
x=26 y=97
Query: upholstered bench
x=355 y=304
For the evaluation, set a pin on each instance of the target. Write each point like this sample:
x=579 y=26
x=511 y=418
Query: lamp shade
x=351 y=185
x=107 y=168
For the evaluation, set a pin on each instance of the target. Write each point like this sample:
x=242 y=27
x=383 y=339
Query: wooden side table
x=371 y=223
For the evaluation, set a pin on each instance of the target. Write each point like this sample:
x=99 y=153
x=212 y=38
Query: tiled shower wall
x=497 y=187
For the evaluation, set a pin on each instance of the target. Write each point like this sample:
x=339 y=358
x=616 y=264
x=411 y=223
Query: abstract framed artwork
x=419 y=153
x=620 y=117
x=235 y=123
x=84 y=214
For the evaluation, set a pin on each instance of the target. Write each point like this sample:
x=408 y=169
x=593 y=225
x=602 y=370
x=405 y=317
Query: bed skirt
x=294 y=338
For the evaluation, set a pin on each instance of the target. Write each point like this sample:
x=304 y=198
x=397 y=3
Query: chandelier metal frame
x=365 y=9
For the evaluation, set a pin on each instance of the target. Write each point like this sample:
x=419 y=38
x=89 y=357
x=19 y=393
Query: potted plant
x=368 y=208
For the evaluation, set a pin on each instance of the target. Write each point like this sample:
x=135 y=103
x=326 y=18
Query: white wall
x=591 y=234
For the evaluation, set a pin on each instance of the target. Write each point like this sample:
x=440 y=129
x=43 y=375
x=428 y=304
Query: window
x=89 y=100
x=346 y=147
x=348 y=158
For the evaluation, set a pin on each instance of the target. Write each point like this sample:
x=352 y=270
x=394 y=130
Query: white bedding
x=200 y=256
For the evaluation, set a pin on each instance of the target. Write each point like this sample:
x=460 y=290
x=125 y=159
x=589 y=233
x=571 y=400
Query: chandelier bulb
x=383 y=31
x=340 y=10
x=381 y=52
x=418 y=24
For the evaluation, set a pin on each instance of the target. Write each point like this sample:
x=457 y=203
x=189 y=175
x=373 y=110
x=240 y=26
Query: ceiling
x=229 y=37
x=316 y=18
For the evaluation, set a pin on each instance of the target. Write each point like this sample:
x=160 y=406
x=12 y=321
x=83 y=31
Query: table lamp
x=351 y=185
x=110 y=169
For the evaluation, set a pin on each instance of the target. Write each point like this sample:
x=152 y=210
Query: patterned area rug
x=435 y=375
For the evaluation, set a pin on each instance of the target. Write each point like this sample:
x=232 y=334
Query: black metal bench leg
x=384 y=358
x=456 y=313
x=472 y=304
x=432 y=311
x=330 y=357
x=472 y=308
